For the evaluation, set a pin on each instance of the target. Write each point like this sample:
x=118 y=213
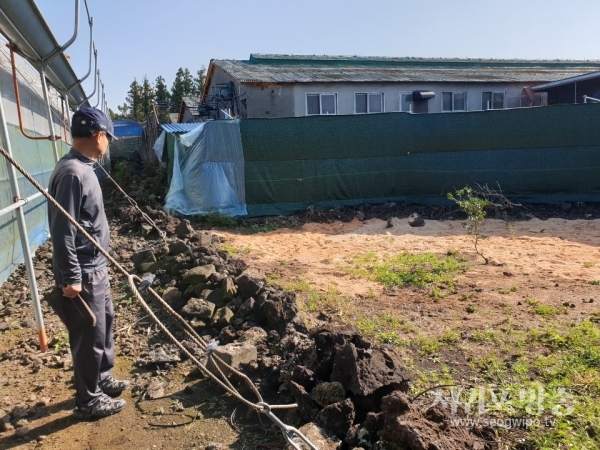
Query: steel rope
x=133 y=203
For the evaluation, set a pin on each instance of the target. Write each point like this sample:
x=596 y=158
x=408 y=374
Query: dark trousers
x=93 y=347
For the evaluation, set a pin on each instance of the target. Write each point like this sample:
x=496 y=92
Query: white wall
x=289 y=100
x=391 y=93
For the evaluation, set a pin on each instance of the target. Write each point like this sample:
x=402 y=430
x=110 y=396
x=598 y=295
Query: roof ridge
x=266 y=57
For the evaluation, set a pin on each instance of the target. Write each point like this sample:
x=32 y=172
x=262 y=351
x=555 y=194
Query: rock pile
x=349 y=392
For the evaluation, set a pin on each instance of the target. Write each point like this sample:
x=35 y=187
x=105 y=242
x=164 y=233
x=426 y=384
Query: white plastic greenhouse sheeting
x=37 y=157
x=208 y=171
x=159 y=145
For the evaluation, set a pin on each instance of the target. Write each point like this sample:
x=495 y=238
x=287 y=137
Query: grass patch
x=265 y=228
x=62 y=340
x=548 y=311
x=451 y=337
x=314 y=300
x=229 y=249
x=405 y=269
x=427 y=345
x=215 y=220
x=595 y=282
x=571 y=368
x=385 y=328
x=298 y=286
x=272 y=277
x=485 y=336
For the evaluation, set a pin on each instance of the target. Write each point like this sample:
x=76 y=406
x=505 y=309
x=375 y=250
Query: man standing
x=80 y=269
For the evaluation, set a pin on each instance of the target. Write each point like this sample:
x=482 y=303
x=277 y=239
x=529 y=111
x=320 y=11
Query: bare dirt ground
x=551 y=261
x=462 y=335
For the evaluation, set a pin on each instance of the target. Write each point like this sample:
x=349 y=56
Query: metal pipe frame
x=62 y=48
x=20 y=203
x=53 y=137
x=37 y=308
x=92 y=52
x=96 y=78
x=23 y=25
x=100 y=95
x=18 y=99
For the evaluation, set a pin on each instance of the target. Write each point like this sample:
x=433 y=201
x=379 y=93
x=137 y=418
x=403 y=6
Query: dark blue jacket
x=75 y=187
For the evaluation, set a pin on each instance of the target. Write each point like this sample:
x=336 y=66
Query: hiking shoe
x=113 y=387
x=99 y=407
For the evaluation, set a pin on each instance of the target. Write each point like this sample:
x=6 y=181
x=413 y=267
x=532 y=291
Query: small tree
x=183 y=86
x=133 y=102
x=474 y=207
x=199 y=82
x=148 y=96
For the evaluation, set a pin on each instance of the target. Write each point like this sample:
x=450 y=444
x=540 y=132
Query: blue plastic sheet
x=208 y=171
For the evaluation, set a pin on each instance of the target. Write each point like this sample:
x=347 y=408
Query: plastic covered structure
x=208 y=171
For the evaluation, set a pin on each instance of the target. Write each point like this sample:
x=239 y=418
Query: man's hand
x=72 y=291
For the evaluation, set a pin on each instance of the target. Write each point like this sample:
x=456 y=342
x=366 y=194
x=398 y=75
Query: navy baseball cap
x=91 y=119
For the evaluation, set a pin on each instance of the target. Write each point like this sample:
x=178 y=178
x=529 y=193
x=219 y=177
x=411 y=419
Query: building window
x=454 y=101
x=406 y=104
x=492 y=100
x=365 y=103
x=321 y=104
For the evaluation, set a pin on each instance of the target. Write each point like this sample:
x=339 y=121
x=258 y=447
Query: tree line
x=141 y=96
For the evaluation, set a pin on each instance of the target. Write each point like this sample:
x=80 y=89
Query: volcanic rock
x=304 y=377
x=319 y=437
x=237 y=353
x=415 y=220
x=203 y=239
x=198 y=274
x=178 y=247
x=222 y=317
x=197 y=307
x=254 y=335
x=279 y=308
x=145 y=256
x=245 y=309
x=337 y=417
x=407 y=428
x=327 y=393
x=173 y=297
x=217 y=297
x=248 y=286
x=307 y=409
x=364 y=371
x=229 y=288
x=184 y=229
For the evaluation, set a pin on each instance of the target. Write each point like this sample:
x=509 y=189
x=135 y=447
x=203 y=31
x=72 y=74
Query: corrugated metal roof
x=335 y=69
x=587 y=76
x=178 y=127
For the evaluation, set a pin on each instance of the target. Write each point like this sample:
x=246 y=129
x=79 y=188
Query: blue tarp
x=127 y=128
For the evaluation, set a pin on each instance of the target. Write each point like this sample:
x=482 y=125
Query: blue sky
x=137 y=38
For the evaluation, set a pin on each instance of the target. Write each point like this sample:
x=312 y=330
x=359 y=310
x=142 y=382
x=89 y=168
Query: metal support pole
x=50 y=121
x=12 y=173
